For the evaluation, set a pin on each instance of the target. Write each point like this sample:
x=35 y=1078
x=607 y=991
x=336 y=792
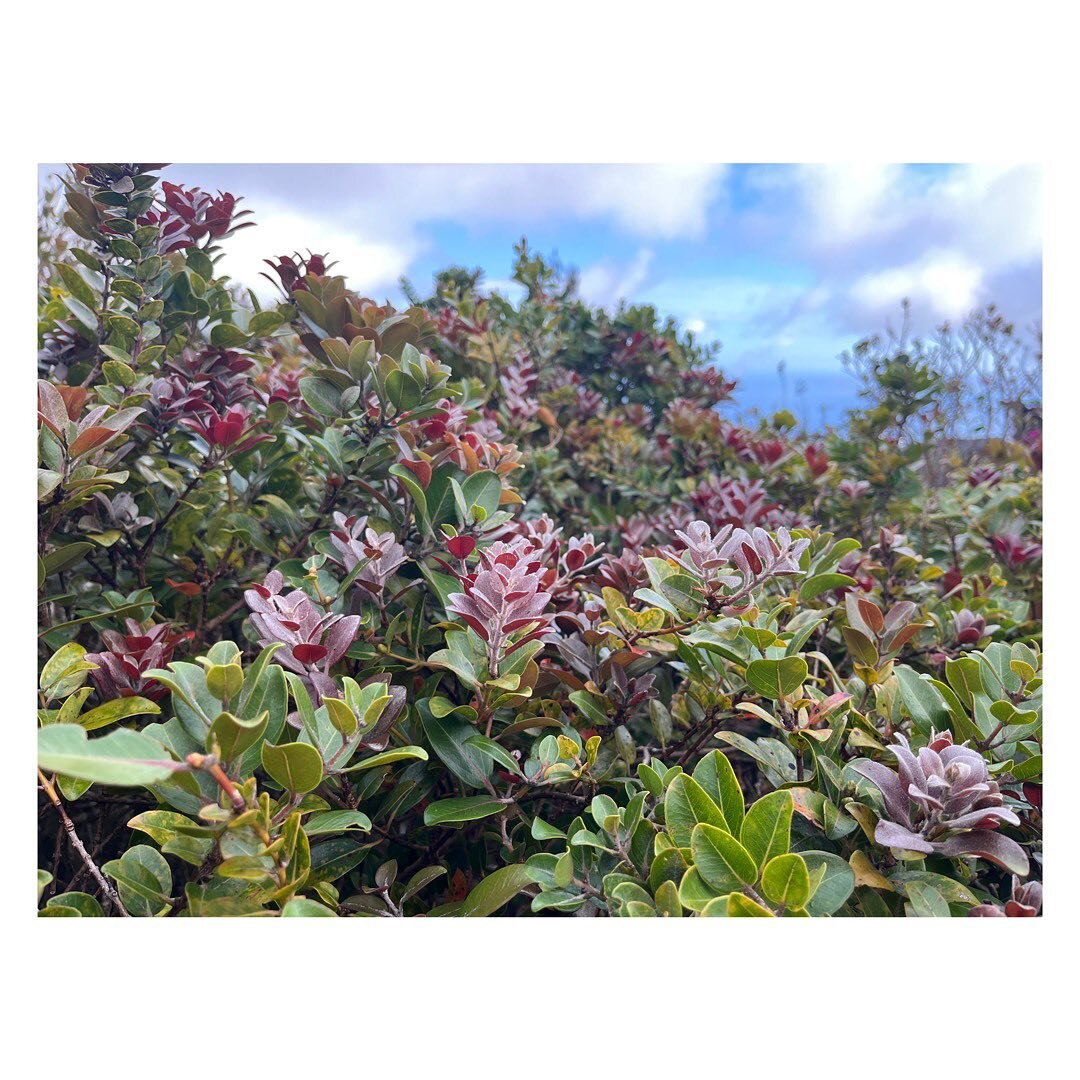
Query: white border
x=553 y=82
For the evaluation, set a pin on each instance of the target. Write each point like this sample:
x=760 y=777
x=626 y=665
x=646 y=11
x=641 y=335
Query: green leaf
x=495 y=890
x=813 y=587
x=715 y=774
x=321 y=395
x=232 y=736
x=740 y=906
x=924 y=702
x=193 y=703
x=83 y=313
x=786 y=881
x=832 y=881
x=65 y=556
x=716 y=908
x=421 y=878
x=65 y=671
x=776 y=760
x=118 y=709
x=224 y=681
x=541 y=830
x=143 y=880
x=953 y=891
x=227 y=336
x=265 y=690
x=117 y=373
x=337 y=821
x=695 y=892
x=68 y=713
x=341 y=716
x=563 y=873
x=860 y=646
x=112 y=613
x=47 y=482
x=590 y=706
x=720 y=859
x=255 y=677
x=766 y=831
x=82 y=904
x=685 y=805
x=300 y=907
x=964 y=675
x=409 y=482
x=449 y=739
x=388 y=757
x=297 y=767
x=776 y=679
x=483 y=489
x=682 y=592
x=402 y=390
x=469 y=808
x=125 y=758
x=668 y=905
x=163 y=826
x=441 y=508
x=495 y=752
x=263 y=323
x=926 y=902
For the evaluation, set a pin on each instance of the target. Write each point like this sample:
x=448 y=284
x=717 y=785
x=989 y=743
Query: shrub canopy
x=481 y=607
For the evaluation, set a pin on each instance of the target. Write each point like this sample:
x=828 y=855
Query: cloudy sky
x=778 y=263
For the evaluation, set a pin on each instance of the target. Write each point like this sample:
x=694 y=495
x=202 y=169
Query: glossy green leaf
x=494 y=891
x=336 y=821
x=125 y=758
x=786 y=881
x=685 y=805
x=231 y=736
x=832 y=881
x=297 y=767
x=720 y=859
x=716 y=776
x=117 y=709
x=389 y=757
x=776 y=679
x=302 y=908
x=468 y=808
x=766 y=830
x=741 y=907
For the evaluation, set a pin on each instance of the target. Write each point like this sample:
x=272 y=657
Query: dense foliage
x=480 y=607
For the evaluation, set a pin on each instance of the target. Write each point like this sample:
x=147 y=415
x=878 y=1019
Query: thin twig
x=110 y=893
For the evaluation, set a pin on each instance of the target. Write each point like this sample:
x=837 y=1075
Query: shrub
x=479 y=607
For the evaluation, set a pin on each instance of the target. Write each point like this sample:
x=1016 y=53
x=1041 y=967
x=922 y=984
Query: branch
x=69 y=826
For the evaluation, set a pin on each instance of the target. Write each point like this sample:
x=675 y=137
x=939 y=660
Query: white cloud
x=947 y=238
x=375 y=219
x=850 y=202
x=659 y=201
x=818 y=254
x=371 y=266
x=663 y=201
x=946 y=283
x=991 y=214
x=649 y=201
x=607 y=282
x=997 y=211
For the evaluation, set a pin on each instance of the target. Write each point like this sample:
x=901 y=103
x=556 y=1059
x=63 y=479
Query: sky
x=779 y=263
